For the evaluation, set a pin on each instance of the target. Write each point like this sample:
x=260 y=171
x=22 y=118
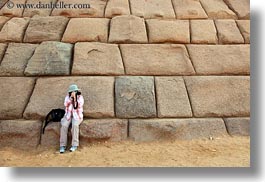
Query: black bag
x=54 y=115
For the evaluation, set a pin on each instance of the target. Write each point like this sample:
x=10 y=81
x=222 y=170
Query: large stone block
x=117 y=8
x=189 y=9
x=15 y=94
x=217 y=9
x=156 y=59
x=175 y=129
x=13 y=30
x=220 y=59
x=135 y=97
x=10 y=8
x=172 y=97
x=86 y=29
x=3 y=20
x=203 y=32
x=244 y=27
x=2 y=51
x=176 y=31
x=49 y=93
x=2 y=3
x=50 y=58
x=127 y=29
x=241 y=8
x=152 y=8
x=238 y=126
x=219 y=96
x=228 y=32
x=45 y=29
x=103 y=129
x=43 y=10
x=87 y=8
x=20 y=134
x=97 y=59
x=51 y=136
x=16 y=59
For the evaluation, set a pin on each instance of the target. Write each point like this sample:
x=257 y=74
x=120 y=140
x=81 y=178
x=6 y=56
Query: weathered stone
x=103 y=129
x=15 y=93
x=2 y=3
x=20 y=134
x=50 y=58
x=171 y=129
x=156 y=59
x=16 y=59
x=172 y=97
x=217 y=9
x=220 y=59
x=228 y=32
x=49 y=93
x=13 y=30
x=2 y=51
x=10 y=8
x=51 y=136
x=203 y=32
x=244 y=27
x=117 y=8
x=45 y=29
x=43 y=10
x=176 y=31
x=3 y=20
x=89 y=8
x=135 y=97
x=220 y=96
x=97 y=59
x=152 y=8
x=241 y=8
x=86 y=29
x=127 y=29
x=238 y=126
x=189 y=9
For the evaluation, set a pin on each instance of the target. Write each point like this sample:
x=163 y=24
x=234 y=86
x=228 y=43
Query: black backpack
x=54 y=115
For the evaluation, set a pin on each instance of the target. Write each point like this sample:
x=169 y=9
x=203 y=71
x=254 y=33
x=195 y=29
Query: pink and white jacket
x=69 y=108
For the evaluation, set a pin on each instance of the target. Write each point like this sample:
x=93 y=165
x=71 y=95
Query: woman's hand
x=73 y=95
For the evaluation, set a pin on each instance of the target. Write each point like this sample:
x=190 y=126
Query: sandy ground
x=225 y=151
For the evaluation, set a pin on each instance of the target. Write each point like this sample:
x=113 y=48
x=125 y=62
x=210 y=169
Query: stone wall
x=148 y=70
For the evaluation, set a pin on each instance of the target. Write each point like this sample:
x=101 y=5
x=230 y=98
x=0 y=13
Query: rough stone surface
x=20 y=134
x=117 y=8
x=228 y=32
x=219 y=96
x=244 y=27
x=3 y=20
x=49 y=93
x=127 y=29
x=220 y=59
x=45 y=29
x=2 y=3
x=152 y=8
x=103 y=129
x=241 y=8
x=13 y=30
x=51 y=136
x=203 y=32
x=176 y=31
x=189 y=9
x=50 y=58
x=97 y=59
x=172 y=97
x=238 y=126
x=14 y=11
x=16 y=59
x=96 y=8
x=156 y=59
x=171 y=129
x=135 y=97
x=86 y=29
x=16 y=92
x=2 y=51
x=38 y=11
x=217 y=9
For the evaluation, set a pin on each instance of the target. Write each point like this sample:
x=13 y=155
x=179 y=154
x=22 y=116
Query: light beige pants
x=75 y=131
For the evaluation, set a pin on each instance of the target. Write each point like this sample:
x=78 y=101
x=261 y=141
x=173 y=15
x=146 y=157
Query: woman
x=73 y=103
